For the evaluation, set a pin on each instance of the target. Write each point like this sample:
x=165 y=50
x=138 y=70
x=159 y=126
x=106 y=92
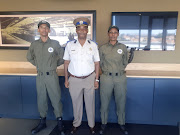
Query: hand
x=66 y=84
x=96 y=85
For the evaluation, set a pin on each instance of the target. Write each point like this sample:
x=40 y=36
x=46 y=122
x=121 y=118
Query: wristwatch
x=97 y=80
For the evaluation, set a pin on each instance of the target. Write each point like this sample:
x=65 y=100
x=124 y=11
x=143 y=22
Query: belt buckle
x=83 y=77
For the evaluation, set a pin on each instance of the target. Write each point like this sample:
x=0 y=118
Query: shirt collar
x=113 y=45
x=48 y=40
x=84 y=43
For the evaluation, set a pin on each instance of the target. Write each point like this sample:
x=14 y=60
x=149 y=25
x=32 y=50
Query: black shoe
x=73 y=130
x=92 y=130
x=60 y=126
x=41 y=126
x=102 y=130
x=123 y=129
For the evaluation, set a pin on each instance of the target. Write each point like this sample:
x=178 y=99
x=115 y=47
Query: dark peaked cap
x=113 y=26
x=43 y=22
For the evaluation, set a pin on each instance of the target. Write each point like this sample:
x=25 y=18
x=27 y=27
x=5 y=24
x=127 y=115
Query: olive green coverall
x=113 y=61
x=47 y=56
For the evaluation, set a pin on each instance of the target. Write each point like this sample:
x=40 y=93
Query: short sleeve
x=66 y=52
x=96 y=54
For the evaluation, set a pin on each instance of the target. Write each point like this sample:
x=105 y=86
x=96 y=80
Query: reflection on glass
x=170 y=39
x=156 y=40
x=143 y=39
x=129 y=37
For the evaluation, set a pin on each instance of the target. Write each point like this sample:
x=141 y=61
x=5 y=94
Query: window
x=147 y=30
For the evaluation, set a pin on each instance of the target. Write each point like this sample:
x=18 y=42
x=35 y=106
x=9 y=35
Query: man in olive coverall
x=46 y=55
x=114 y=59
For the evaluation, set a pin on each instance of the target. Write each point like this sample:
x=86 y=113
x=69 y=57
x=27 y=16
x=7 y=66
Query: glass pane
x=127 y=22
x=156 y=40
x=171 y=23
x=129 y=37
x=157 y=23
x=170 y=39
x=145 y=22
x=144 y=38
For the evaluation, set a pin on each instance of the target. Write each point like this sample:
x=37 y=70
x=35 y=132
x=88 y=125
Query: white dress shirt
x=81 y=58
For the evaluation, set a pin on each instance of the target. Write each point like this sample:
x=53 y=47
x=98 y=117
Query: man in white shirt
x=81 y=63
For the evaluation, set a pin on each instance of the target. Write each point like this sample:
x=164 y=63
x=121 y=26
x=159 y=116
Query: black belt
x=41 y=73
x=45 y=73
x=81 y=77
x=114 y=74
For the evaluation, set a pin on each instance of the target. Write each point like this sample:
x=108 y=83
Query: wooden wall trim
x=147 y=70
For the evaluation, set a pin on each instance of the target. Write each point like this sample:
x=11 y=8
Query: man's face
x=43 y=30
x=82 y=32
x=113 y=34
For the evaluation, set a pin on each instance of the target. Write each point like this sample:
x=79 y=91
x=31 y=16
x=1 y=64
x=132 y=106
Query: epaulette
x=70 y=41
x=89 y=41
